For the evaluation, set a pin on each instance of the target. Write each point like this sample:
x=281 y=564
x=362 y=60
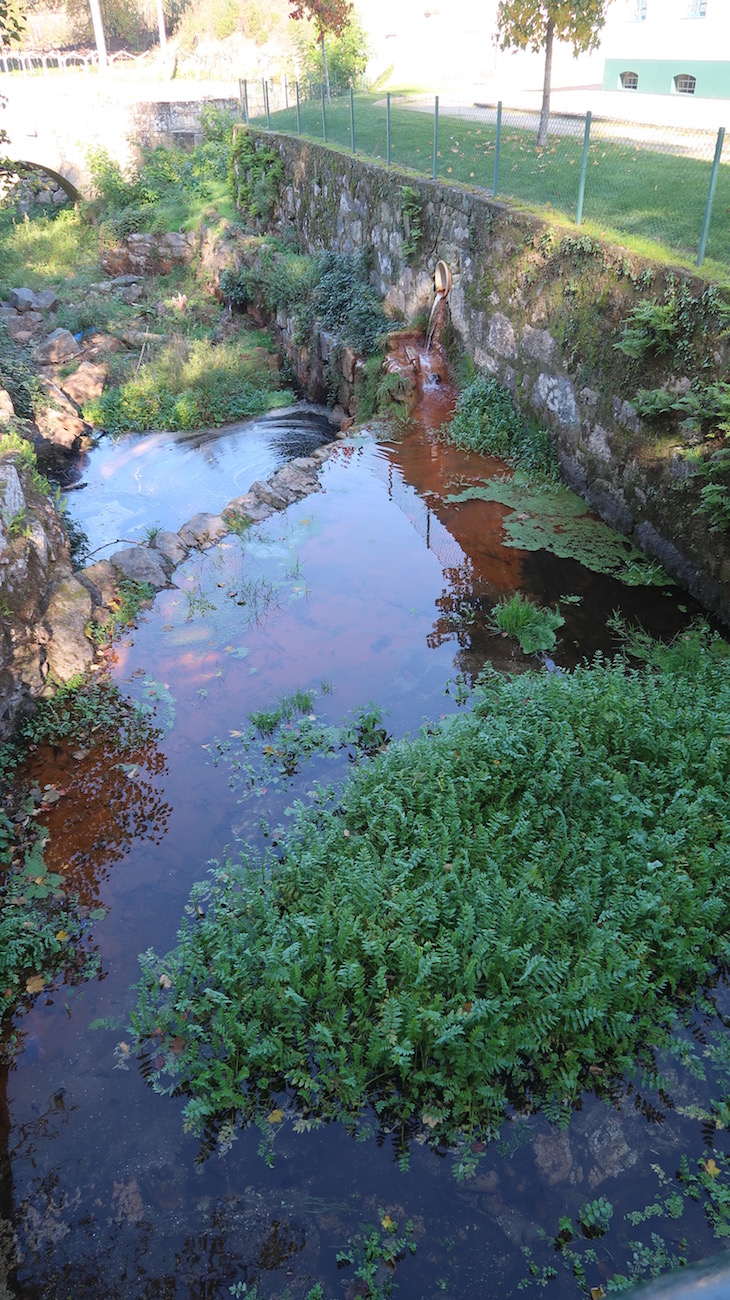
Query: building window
x=696 y=9
x=638 y=10
x=685 y=84
x=629 y=81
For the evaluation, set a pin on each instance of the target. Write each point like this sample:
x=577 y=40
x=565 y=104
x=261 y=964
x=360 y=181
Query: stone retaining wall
x=544 y=322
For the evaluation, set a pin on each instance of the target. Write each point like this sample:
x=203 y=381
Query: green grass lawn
x=652 y=202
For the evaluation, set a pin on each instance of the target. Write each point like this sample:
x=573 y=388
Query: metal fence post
x=583 y=169
x=245 y=102
x=240 y=94
x=324 y=116
x=497 y=147
x=352 y=118
x=387 y=129
x=263 y=93
x=711 y=196
x=299 y=116
x=268 y=115
x=435 y=137
x=286 y=92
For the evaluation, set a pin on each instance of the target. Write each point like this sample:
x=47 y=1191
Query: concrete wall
x=541 y=310
x=656 y=76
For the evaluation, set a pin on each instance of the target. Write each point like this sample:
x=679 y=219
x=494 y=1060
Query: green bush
x=485 y=420
x=346 y=303
x=255 y=176
x=513 y=905
x=19 y=378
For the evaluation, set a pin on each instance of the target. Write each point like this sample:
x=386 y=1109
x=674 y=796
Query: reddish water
x=363 y=585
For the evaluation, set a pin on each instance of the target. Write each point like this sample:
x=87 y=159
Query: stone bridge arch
x=54 y=127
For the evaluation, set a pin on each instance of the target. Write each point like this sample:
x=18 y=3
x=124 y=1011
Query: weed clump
x=533 y=626
x=190 y=385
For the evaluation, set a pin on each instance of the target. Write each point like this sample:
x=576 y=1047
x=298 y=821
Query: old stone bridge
x=54 y=122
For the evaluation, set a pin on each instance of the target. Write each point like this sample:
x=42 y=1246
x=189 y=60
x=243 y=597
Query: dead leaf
x=388 y=1223
x=176 y=1045
x=275 y=1116
x=165 y=982
x=712 y=1168
x=62 y=936
x=35 y=983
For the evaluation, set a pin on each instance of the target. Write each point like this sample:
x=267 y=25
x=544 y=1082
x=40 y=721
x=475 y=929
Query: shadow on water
x=378 y=588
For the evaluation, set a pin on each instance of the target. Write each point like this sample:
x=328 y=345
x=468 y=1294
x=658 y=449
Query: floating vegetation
x=552 y=518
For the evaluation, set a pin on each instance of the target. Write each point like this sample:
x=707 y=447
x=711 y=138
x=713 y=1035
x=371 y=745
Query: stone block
x=7 y=410
x=68 y=614
x=86 y=382
x=554 y=393
x=501 y=337
x=58 y=347
x=22 y=299
x=141 y=564
x=170 y=546
x=539 y=344
x=203 y=529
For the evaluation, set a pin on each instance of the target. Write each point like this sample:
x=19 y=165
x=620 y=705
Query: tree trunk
x=161 y=27
x=542 y=129
x=98 y=32
x=326 y=70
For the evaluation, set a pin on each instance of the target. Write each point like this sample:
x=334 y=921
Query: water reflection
x=120 y=489
x=380 y=586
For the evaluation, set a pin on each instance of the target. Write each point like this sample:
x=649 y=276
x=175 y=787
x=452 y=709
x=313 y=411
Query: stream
x=377 y=590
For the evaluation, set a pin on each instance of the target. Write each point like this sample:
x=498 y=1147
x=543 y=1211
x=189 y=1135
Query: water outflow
x=432 y=320
x=436 y=321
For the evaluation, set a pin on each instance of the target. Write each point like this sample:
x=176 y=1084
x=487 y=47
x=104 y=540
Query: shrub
x=255 y=175
x=485 y=420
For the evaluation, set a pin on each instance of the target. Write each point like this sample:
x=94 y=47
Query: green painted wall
x=656 y=76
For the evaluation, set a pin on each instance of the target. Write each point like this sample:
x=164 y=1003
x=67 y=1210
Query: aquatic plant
x=552 y=518
x=534 y=626
x=485 y=420
x=491 y=909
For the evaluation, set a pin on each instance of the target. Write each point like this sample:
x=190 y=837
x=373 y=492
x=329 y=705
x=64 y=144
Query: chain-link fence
x=661 y=185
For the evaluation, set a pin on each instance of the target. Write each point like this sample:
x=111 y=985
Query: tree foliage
x=12 y=22
x=330 y=17
x=535 y=24
x=522 y=24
